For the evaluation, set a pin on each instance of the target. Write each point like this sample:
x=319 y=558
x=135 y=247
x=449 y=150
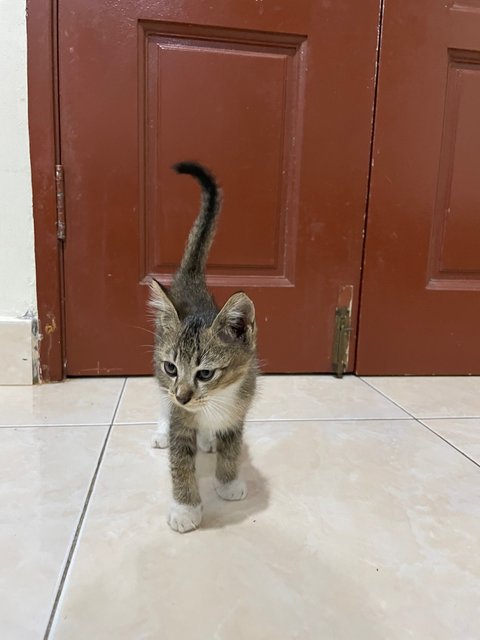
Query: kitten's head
x=201 y=355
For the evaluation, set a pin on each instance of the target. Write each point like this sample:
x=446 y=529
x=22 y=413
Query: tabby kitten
x=205 y=363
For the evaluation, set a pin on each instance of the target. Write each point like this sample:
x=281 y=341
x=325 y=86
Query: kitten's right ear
x=165 y=312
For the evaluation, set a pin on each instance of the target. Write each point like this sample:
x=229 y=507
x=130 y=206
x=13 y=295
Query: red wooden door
x=276 y=98
x=420 y=309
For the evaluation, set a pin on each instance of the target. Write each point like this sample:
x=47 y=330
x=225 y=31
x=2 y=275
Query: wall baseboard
x=17 y=351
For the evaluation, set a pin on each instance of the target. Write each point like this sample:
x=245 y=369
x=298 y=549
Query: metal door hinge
x=60 y=192
x=343 y=329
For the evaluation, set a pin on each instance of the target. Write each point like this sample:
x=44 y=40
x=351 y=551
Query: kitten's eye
x=205 y=374
x=170 y=369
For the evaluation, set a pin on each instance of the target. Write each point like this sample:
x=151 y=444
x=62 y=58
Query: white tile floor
x=362 y=520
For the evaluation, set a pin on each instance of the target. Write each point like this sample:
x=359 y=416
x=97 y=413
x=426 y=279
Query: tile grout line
x=452 y=417
x=149 y=423
x=447 y=441
x=53 y=425
x=424 y=426
x=84 y=425
x=81 y=520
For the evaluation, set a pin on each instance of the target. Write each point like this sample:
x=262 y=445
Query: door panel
x=276 y=98
x=247 y=83
x=420 y=309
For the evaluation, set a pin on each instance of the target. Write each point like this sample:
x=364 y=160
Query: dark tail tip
x=196 y=170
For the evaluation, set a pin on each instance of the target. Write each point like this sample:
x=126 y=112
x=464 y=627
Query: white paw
x=160 y=437
x=184 y=517
x=160 y=440
x=234 y=490
x=206 y=442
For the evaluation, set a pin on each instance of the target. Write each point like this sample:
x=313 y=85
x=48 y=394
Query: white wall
x=17 y=267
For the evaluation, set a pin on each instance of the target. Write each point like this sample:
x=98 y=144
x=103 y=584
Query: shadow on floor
x=218 y=513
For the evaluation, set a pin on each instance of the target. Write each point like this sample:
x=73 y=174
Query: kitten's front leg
x=229 y=446
x=186 y=510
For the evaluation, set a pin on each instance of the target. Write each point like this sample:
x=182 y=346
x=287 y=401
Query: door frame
x=44 y=131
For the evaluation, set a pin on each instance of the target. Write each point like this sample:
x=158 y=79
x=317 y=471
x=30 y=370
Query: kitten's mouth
x=188 y=407
x=192 y=407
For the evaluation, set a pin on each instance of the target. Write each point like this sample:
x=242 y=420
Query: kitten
x=205 y=363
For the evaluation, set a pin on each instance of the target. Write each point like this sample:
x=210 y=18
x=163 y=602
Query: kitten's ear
x=236 y=320
x=164 y=310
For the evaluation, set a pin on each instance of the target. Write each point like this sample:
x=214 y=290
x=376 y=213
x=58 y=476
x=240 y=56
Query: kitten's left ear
x=236 y=320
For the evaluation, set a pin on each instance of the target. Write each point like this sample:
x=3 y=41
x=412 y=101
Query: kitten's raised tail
x=201 y=235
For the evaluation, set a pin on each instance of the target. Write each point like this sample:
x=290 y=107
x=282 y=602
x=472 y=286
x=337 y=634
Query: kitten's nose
x=183 y=395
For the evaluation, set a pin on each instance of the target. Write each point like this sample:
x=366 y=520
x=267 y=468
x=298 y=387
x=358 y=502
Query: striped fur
x=192 y=334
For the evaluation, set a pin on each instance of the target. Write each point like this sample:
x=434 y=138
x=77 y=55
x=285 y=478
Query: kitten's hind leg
x=160 y=437
x=206 y=441
x=229 y=446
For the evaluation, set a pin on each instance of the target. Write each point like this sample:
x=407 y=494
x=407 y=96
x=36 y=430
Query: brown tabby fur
x=193 y=334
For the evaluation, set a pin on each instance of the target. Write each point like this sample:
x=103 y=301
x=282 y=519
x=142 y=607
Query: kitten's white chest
x=220 y=413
